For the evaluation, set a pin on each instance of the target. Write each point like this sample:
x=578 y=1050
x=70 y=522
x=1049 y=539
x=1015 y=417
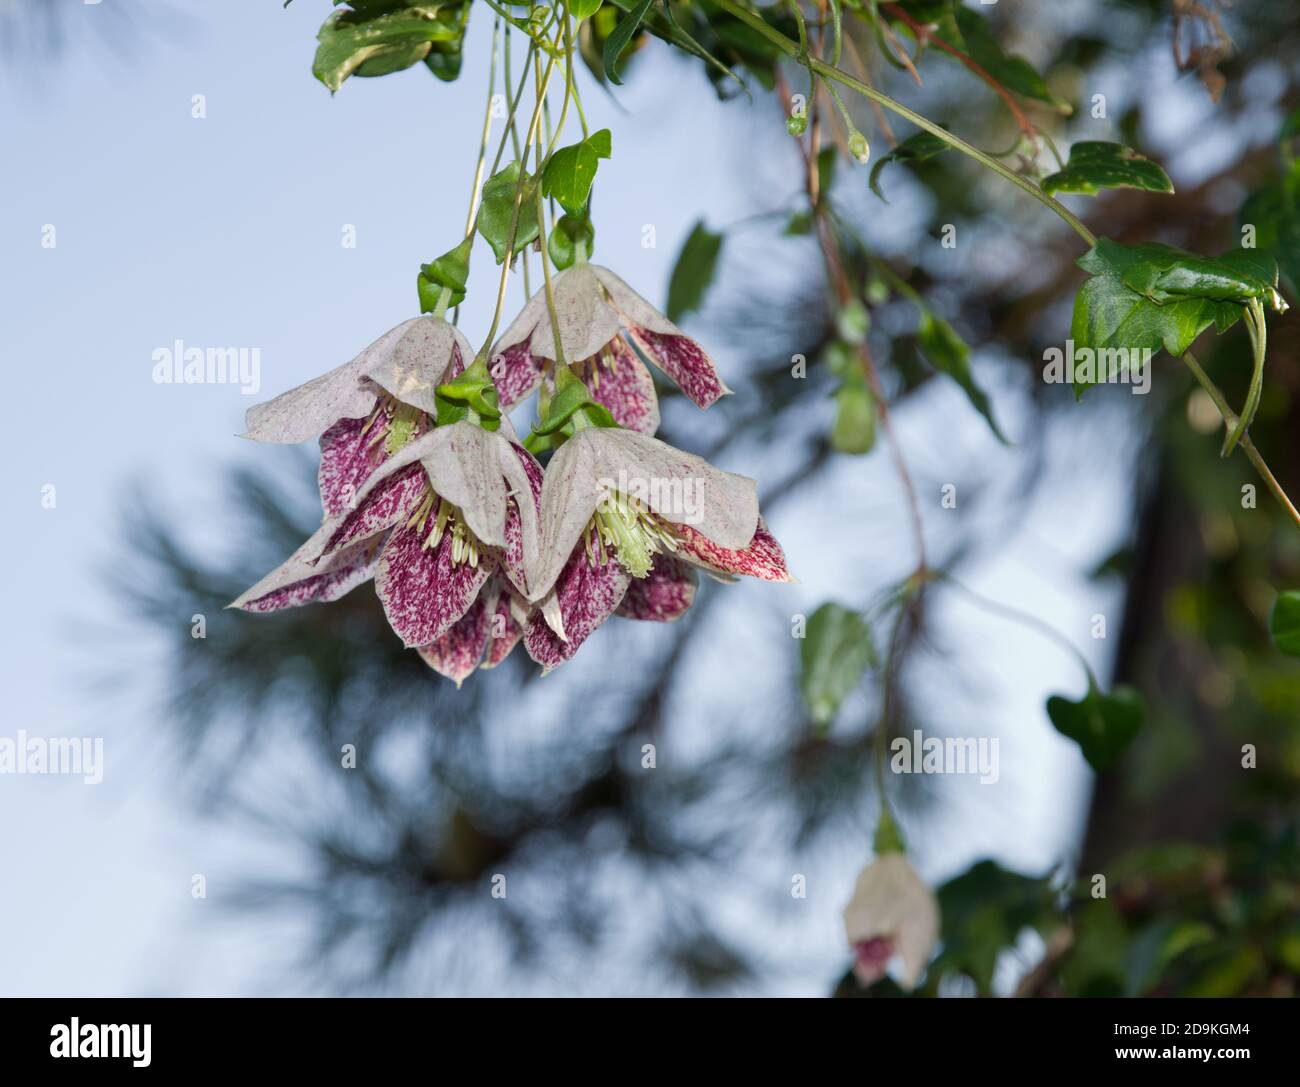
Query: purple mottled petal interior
x=683 y=360
x=346 y=570
x=625 y=386
x=347 y=458
x=422 y=590
x=385 y=506
x=504 y=633
x=763 y=558
x=588 y=595
x=662 y=596
x=457 y=653
x=516 y=372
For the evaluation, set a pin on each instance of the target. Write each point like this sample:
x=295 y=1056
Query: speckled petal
x=520 y=557
x=298 y=582
x=387 y=505
x=516 y=372
x=422 y=590
x=457 y=653
x=348 y=455
x=663 y=595
x=675 y=353
x=680 y=487
x=504 y=633
x=312 y=408
x=587 y=595
x=415 y=363
x=763 y=558
x=625 y=387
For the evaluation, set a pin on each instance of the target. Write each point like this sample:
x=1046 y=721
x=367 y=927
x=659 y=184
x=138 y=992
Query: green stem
x=1248 y=446
x=829 y=71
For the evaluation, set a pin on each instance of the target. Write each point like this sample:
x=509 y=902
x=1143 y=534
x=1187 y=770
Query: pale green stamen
x=634 y=533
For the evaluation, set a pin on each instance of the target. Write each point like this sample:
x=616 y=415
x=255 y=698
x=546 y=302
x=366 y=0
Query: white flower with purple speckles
x=450 y=513
x=366 y=409
x=593 y=308
x=603 y=534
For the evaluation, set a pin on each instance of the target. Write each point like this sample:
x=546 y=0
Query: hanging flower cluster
x=472 y=544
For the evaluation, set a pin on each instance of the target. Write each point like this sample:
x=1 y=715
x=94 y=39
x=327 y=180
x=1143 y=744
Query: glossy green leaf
x=947 y=352
x=917 y=148
x=570 y=171
x=835 y=654
x=620 y=37
x=1101 y=724
x=369 y=41
x=1095 y=165
x=693 y=272
x=497 y=210
x=1284 y=622
x=584 y=9
x=1153 y=297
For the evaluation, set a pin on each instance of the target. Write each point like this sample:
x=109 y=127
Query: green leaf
x=948 y=353
x=825 y=170
x=1095 y=165
x=620 y=37
x=370 y=41
x=450 y=271
x=497 y=210
x=583 y=9
x=693 y=273
x=1284 y=622
x=563 y=241
x=1149 y=297
x=984 y=911
x=1101 y=724
x=854 y=430
x=570 y=171
x=917 y=148
x=835 y=654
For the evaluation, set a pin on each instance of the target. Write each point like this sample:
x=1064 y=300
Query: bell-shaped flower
x=621 y=509
x=434 y=524
x=593 y=309
x=892 y=915
x=366 y=409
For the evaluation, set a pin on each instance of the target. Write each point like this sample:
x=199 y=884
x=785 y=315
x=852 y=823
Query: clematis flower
x=892 y=914
x=593 y=308
x=620 y=509
x=448 y=513
x=366 y=409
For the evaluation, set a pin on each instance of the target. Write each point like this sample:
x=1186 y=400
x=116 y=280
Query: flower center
x=871 y=957
x=444 y=518
x=393 y=424
x=634 y=534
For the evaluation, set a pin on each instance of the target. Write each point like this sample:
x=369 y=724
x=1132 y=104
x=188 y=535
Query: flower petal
x=516 y=372
x=415 y=363
x=680 y=487
x=625 y=387
x=457 y=653
x=521 y=555
x=348 y=454
x=587 y=595
x=762 y=558
x=587 y=322
x=312 y=408
x=675 y=353
x=297 y=581
x=423 y=591
x=384 y=506
x=504 y=633
x=662 y=596
x=466 y=466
